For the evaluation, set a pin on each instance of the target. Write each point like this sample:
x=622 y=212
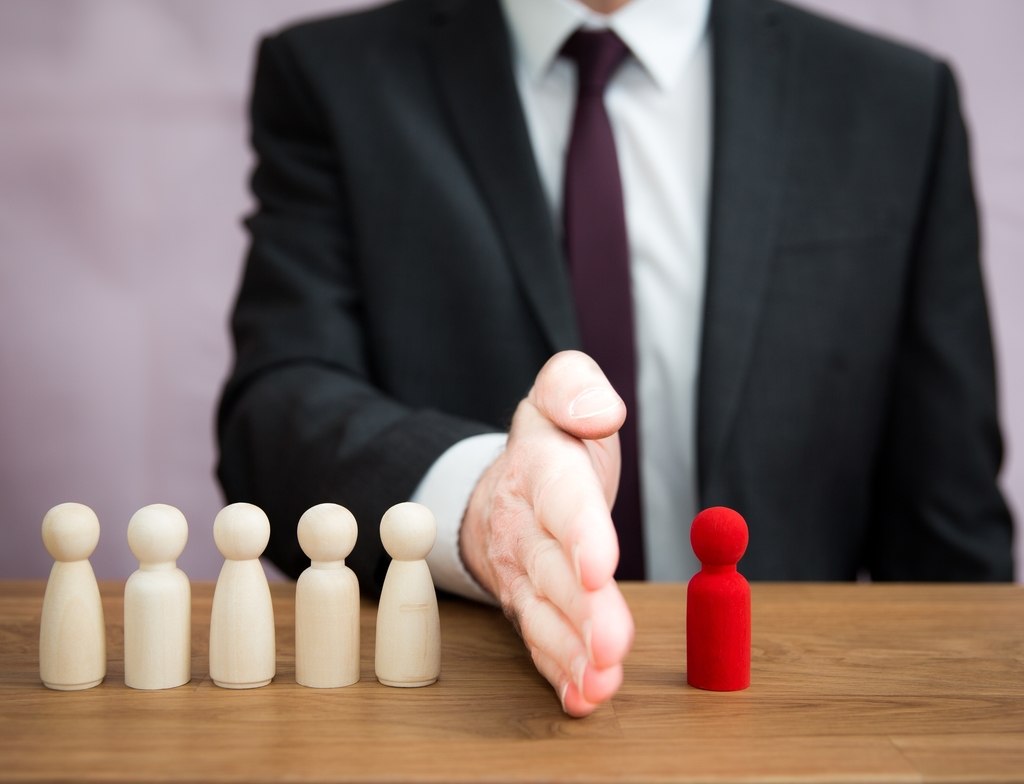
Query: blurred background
x=123 y=168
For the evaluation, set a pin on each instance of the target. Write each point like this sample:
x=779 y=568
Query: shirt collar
x=661 y=34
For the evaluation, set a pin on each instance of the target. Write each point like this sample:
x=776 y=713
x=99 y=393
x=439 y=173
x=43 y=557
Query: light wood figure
x=72 y=636
x=157 y=602
x=408 y=646
x=327 y=601
x=242 y=645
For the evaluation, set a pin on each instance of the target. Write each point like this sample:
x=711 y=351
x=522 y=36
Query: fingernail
x=579 y=667
x=561 y=695
x=592 y=402
x=576 y=563
x=588 y=630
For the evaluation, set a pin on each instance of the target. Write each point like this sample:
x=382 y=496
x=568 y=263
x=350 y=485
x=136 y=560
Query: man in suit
x=829 y=368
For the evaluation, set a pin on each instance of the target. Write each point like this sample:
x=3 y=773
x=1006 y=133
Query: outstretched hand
x=538 y=532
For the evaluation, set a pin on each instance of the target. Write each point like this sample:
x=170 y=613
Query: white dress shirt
x=659 y=105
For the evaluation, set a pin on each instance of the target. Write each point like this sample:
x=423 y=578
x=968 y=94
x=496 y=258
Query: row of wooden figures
x=157 y=602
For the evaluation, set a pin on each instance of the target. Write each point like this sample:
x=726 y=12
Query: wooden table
x=850 y=683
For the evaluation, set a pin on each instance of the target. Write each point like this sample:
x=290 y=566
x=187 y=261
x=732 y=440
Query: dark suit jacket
x=405 y=284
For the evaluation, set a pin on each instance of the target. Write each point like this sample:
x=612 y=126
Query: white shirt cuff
x=445 y=489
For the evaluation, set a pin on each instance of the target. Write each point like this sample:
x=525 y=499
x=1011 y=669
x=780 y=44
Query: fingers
x=570 y=504
x=600 y=619
x=583 y=636
x=572 y=701
x=572 y=698
x=570 y=485
x=573 y=486
x=580 y=685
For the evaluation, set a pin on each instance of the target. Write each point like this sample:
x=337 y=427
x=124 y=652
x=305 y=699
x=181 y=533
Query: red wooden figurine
x=718 y=604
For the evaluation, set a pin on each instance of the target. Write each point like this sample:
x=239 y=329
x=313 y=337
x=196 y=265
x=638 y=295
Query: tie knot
x=597 y=54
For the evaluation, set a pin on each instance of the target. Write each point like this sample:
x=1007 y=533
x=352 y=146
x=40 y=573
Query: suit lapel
x=751 y=63
x=469 y=47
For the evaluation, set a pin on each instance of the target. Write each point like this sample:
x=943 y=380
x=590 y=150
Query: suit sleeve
x=940 y=513
x=301 y=420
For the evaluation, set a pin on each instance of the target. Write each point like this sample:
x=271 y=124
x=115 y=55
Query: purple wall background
x=123 y=166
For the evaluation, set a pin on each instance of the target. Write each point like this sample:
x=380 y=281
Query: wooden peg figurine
x=242 y=644
x=327 y=601
x=408 y=646
x=718 y=604
x=157 y=602
x=72 y=636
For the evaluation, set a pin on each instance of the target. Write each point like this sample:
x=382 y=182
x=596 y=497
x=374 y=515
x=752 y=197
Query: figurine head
x=408 y=531
x=719 y=536
x=327 y=532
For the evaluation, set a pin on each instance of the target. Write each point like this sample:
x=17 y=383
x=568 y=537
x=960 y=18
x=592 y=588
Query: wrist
x=473 y=538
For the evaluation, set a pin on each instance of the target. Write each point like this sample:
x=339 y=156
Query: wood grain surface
x=880 y=683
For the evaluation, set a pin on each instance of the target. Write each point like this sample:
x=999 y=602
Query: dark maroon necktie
x=598 y=254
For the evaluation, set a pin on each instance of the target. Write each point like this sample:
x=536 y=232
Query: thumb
x=573 y=393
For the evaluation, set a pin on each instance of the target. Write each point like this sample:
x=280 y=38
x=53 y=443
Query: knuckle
x=516 y=603
x=537 y=562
